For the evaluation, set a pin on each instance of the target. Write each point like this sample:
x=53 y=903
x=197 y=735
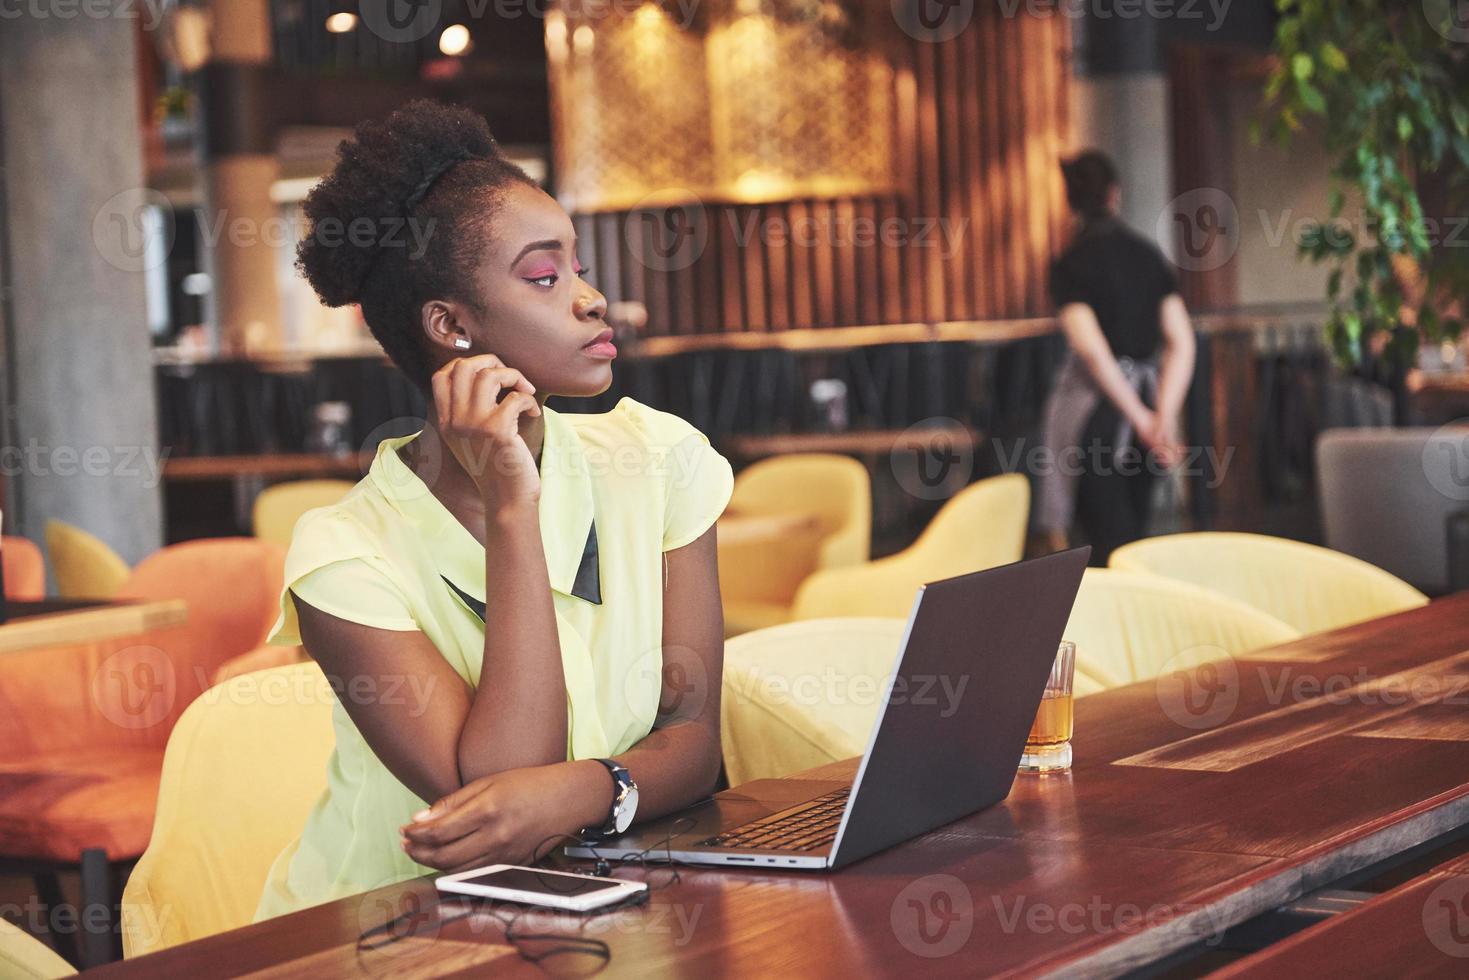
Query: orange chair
x=23 y=567
x=84 y=727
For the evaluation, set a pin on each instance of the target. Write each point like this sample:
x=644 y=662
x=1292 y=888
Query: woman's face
x=538 y=315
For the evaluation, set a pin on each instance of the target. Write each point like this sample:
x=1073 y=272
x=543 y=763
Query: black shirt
x=1123 y=277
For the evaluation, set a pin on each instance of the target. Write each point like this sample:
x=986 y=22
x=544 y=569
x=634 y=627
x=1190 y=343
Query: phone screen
x=542 y=882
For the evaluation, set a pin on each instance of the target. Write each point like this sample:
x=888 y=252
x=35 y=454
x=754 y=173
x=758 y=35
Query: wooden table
x=60 y=622
x=1196 y=803
x=1420 y=929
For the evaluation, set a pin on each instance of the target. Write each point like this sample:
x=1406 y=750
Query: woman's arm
x=516 y=816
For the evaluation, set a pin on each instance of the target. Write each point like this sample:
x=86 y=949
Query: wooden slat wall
x=980 y=121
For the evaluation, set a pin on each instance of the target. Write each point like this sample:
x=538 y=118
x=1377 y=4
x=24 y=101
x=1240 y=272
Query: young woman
x=1126 y=374
x=503 y=602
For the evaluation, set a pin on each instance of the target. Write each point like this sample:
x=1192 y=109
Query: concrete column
x=80 y=433
x=238 y=164
x=1120 y=106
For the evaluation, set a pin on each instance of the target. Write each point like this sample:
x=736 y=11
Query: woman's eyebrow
x=548 y=244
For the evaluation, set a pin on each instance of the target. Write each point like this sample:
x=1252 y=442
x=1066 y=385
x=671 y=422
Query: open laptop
x=929 y=760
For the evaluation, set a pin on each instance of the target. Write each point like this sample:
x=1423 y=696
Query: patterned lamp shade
x=741 y=101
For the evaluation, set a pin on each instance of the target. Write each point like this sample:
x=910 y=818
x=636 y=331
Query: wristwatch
x=624 y=804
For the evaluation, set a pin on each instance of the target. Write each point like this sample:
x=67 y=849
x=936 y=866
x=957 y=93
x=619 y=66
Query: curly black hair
x=402 y=219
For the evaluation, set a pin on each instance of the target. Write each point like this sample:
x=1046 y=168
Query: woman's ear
x=444 y=328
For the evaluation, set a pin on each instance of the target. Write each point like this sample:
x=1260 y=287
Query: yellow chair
x=244 y=766
x=1311 y=588
x=1131 y=627
x=983 y=526
x=278 y=507
x=758 y=580
x=23 y=957
x=803 y=694
x=85 y=567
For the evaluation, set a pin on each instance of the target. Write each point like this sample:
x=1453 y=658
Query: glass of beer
x=1048 y=747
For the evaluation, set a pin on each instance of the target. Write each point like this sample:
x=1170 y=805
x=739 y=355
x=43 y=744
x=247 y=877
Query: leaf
x=1301 y=66
x=1332 y=57
x=1405 y=127
x=1311 y=97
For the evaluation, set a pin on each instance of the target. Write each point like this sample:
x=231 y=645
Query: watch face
x=627 y=810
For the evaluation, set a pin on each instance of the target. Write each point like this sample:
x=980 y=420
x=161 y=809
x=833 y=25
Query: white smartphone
x=537 y=886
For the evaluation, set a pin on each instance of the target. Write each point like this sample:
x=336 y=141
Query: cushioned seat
x=55 y=805
x=244 y=766
x=803 y=694
x=981 y=527
x=84 y=566
x=278 y=507
x=1312 y=588
x=1130 y=627
x=759 y=579
x=23 y=957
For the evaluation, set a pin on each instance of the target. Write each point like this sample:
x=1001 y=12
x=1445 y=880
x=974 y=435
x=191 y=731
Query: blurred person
x=1111 y=422
x=503 y=602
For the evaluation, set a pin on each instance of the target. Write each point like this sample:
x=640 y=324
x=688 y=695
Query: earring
x=462 y=343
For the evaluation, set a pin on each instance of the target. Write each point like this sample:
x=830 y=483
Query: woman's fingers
x=470 y=851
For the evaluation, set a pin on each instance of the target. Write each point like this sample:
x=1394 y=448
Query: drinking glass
x=1048 y=747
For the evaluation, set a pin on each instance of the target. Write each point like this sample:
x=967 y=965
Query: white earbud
x=462 y=343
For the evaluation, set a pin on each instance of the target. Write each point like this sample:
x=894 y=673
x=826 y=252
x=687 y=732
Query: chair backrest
x=243 y=768
x=803 y=694
x=1312 y=589
x=232 y=587
x=84 y=566
x=766 y=573
x=278 y=507
x=1387 y=495
x=1131 y=627
x=24 y=568
x=982 y=526
x=835 y=488
x=23 y=957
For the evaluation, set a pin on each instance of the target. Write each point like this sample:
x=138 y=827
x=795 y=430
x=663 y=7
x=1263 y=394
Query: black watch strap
x=621 y=781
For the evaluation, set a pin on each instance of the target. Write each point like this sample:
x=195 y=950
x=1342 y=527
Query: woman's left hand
x=509 y=817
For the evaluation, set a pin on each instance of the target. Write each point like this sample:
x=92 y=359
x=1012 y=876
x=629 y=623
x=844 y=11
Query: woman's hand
x=512 y=817
x=482 y=429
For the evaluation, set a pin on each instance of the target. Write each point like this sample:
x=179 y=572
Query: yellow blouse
x=385 y=556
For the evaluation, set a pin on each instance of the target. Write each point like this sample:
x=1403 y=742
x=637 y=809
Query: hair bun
x=383 y=172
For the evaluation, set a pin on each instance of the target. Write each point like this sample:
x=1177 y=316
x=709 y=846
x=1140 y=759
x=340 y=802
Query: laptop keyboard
x=807 y=827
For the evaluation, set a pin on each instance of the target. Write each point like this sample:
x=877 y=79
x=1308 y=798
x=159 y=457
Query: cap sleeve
x=333 y=566
x=698 y=480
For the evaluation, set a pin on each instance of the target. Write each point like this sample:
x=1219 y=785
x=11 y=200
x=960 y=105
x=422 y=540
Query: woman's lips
x=601 y=346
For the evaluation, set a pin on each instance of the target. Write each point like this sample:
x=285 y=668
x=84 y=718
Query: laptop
x=929 y=760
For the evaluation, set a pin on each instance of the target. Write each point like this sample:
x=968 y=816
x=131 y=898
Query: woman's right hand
x=482 y=429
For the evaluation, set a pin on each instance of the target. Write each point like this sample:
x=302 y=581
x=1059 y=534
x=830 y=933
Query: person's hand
x=482 y=429
x=510 y=816
x=1162 y=438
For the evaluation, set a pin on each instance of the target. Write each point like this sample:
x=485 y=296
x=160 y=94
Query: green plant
x=1390 y=79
